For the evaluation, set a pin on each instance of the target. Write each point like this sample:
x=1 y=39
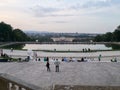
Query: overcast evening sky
x=82 y=16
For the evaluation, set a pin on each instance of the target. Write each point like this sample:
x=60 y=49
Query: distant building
x=63 y=39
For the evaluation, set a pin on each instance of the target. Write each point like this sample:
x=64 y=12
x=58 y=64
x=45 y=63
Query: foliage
x=7 y=33
x=14 y=46
x=19 y=35
x=116 y=35
x=44 y=39
x=109 y=36
x=40 y=38
x=113 y=46
x=87 y=39
x=98 y=38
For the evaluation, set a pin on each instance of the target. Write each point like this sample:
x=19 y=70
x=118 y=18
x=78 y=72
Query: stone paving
x=22 y=53
x=71 y=73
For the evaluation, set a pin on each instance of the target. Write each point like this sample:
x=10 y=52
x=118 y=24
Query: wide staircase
x=8 y=82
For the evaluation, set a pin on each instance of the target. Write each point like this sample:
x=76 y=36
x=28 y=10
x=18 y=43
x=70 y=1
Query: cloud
x=41 y=11
x=7 y=1
x=61 y=15
x=91 y=4
x=60 y=22
x=46 y=11
x=51 y=22
x=65 y=9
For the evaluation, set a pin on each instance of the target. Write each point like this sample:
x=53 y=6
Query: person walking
x=48 y=66
x=57 y=63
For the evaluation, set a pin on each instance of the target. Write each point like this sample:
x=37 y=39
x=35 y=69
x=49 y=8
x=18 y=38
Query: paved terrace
x=94 y=55
x=72 y=73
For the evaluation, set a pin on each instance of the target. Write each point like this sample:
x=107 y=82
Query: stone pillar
x=3 y=85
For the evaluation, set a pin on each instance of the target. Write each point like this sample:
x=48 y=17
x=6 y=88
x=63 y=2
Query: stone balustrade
x=8 y=82
x=79 y=87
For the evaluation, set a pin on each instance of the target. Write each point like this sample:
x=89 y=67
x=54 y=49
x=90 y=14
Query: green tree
x=118 y=27
x=98 y=38
x=19 y=35
x=116 y=35
x=5 y=32
x=108 y=37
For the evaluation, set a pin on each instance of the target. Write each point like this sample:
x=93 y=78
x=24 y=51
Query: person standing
x=47 y=59
x=99 y=57
x=57 y=63
x=35 y=55
x=11 y=49
x=48 y=66
x=1 y=52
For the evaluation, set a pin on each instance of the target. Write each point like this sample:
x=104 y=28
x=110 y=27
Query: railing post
x=3 y=85
x=20 y=88
x=13 y=87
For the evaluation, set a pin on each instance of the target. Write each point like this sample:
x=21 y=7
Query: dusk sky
x=82 y=16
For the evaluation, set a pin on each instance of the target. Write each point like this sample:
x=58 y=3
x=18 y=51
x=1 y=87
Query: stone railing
x=79 y=87
x=8 y=82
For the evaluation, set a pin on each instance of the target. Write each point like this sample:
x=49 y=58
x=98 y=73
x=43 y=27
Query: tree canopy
x=19 y=35
x=109 y=36
x=7 y=33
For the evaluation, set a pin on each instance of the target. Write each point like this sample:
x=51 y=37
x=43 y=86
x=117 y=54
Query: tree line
x=40 y=38
x=109 y=36
x=7 y=33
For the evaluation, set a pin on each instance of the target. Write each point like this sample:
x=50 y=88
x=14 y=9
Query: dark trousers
x=48 y=68
x=57 y=68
